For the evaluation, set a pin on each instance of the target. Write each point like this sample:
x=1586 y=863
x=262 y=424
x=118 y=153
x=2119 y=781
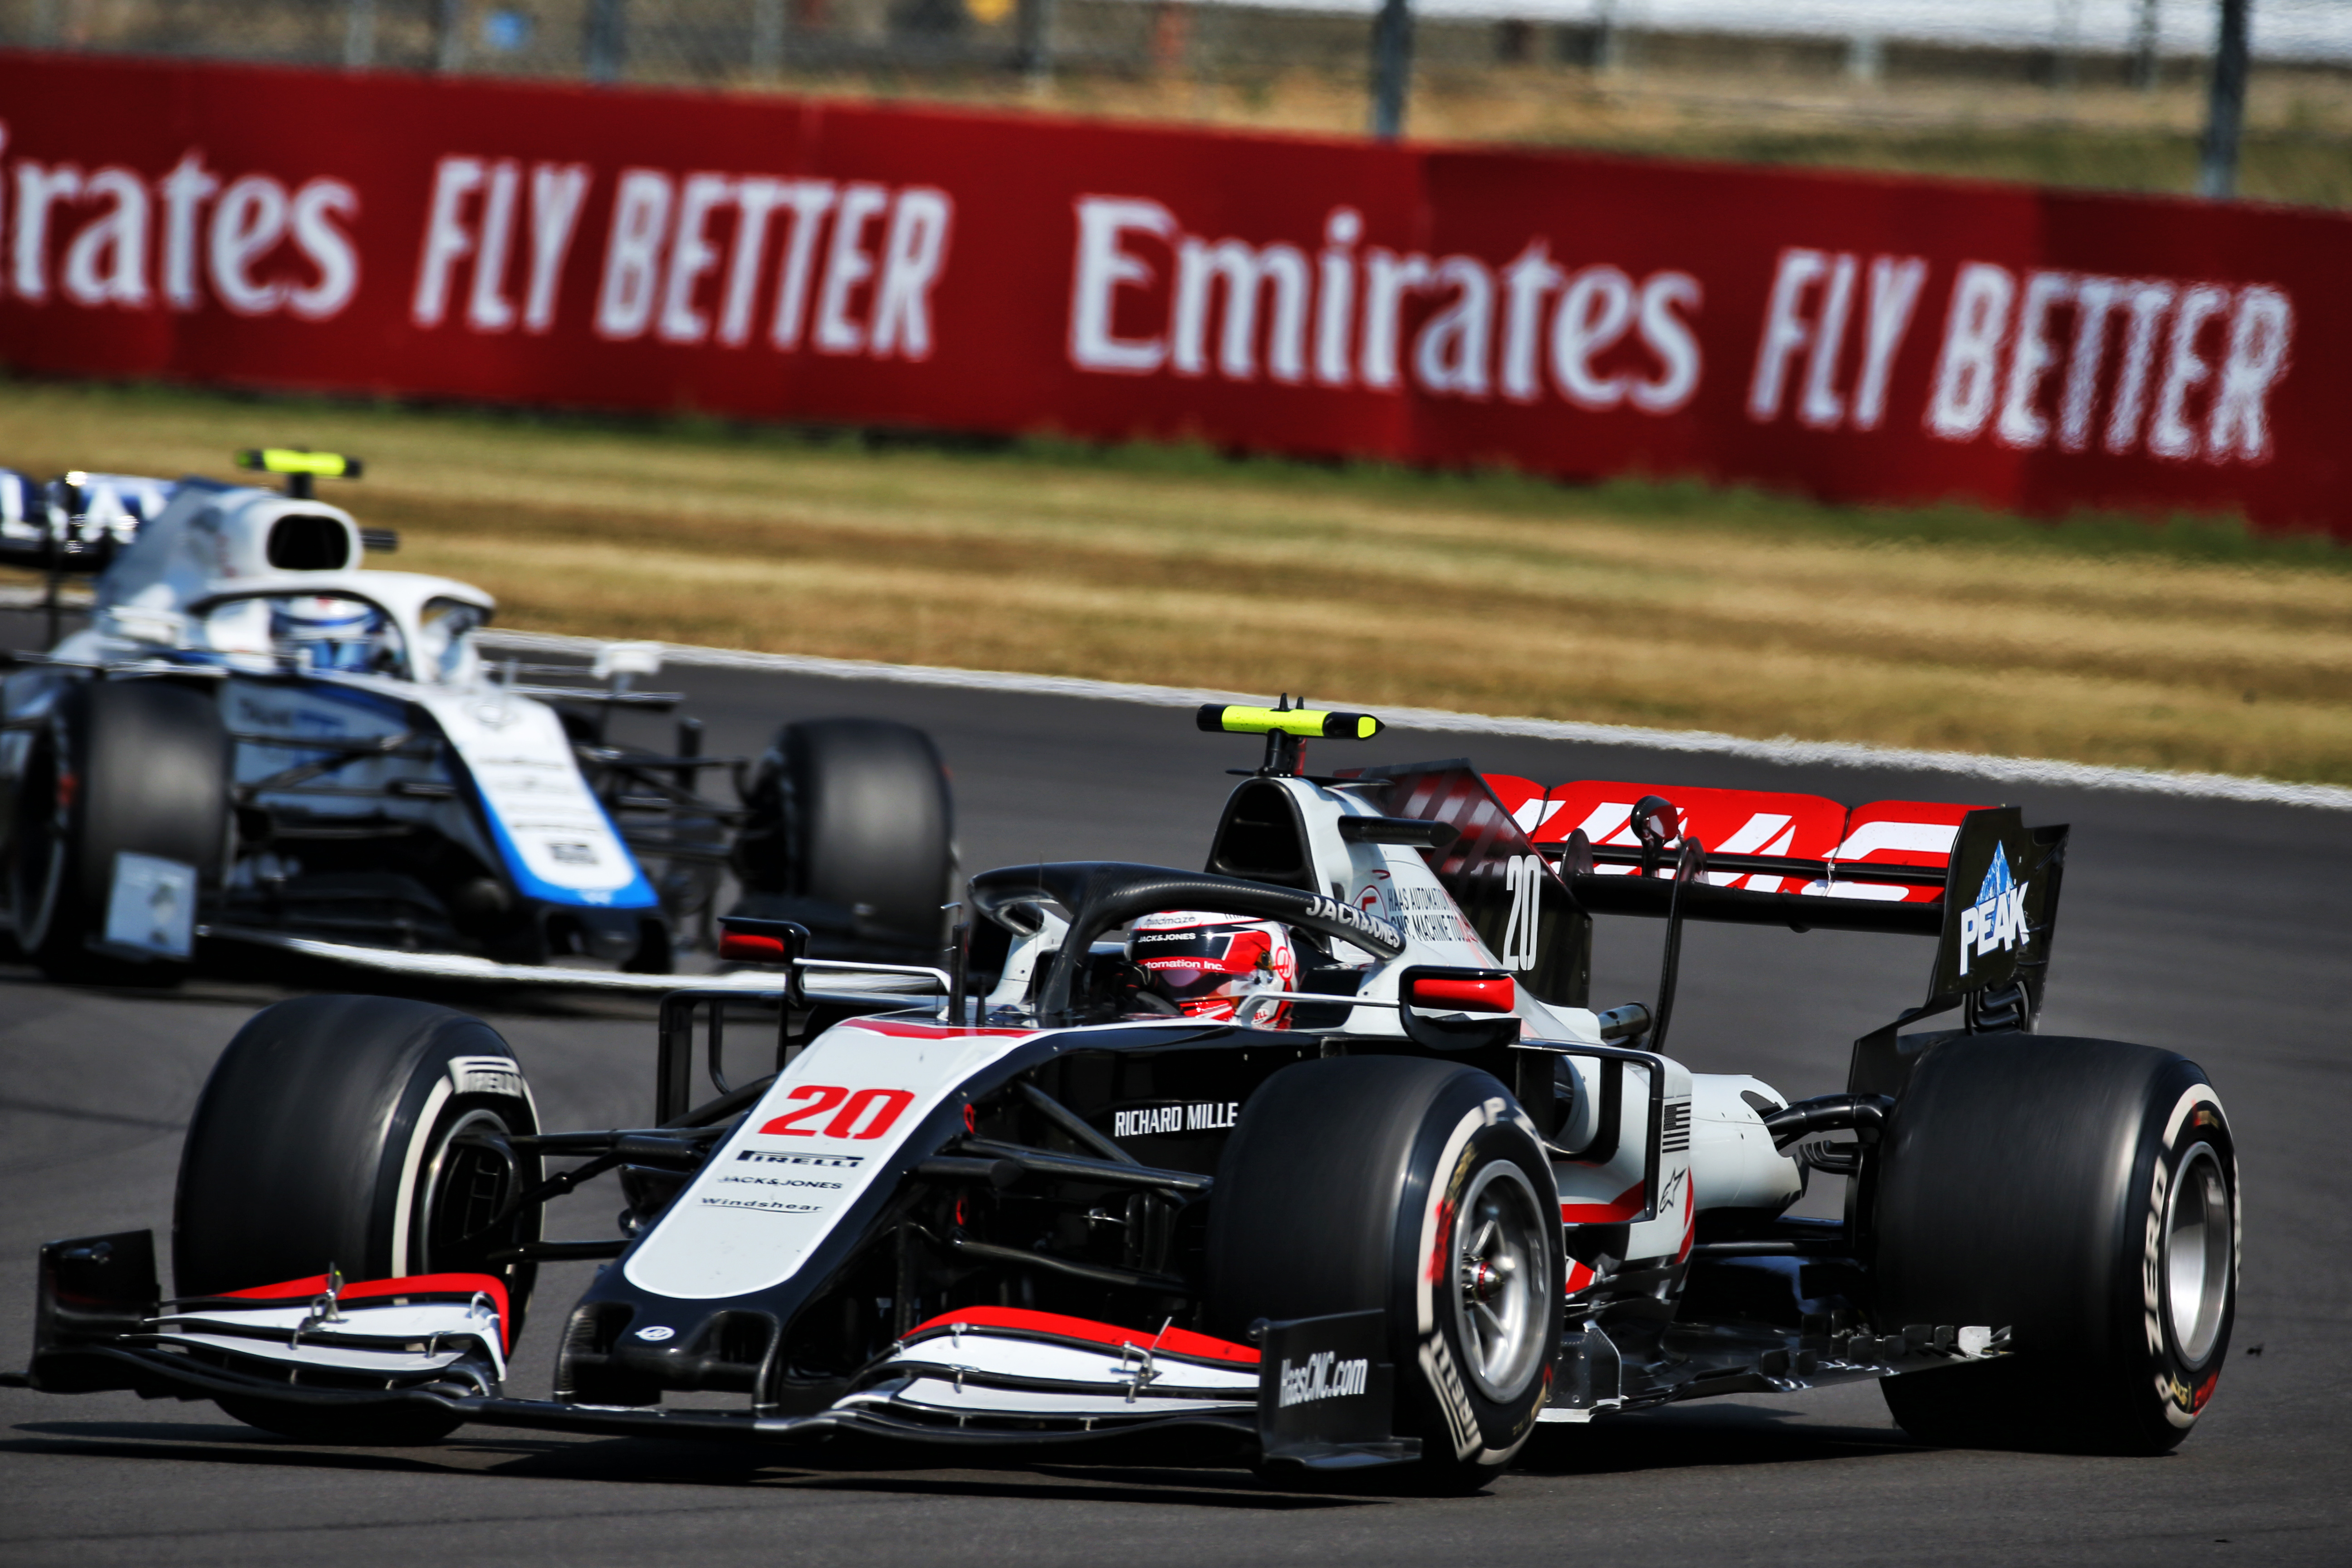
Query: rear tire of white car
x=2084 y=1195
x=855 y=814
x=138 y=767
x=336 y=1131
x=1419 y=1188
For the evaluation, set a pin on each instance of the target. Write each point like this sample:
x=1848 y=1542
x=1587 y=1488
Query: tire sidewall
x=39 y=863
x=2184 y=1112
x=1472 y=1124
x=121 y=742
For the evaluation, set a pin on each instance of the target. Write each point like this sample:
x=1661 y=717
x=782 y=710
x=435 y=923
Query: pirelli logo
x=486 y=1075
x=1461 y=1421
x=825 y=1161
x=1678 y=1126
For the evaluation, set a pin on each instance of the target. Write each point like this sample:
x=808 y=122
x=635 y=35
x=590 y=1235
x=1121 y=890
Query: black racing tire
x=333 y=1133
x=137 y=767
x=854 y=814
x=2084 y=1195
x=1361 y=1183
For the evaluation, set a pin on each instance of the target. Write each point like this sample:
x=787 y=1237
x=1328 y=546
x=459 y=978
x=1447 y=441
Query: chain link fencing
x=1812 y=81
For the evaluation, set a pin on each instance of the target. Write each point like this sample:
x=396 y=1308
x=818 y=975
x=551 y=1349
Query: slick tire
x=1361 y=1183
x=338 y=1131
x=854 y=814
x=2084 y=1195
x=137 y=767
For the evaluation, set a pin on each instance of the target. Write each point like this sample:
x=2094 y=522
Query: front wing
x=1315 y=1392
x=980 y=1375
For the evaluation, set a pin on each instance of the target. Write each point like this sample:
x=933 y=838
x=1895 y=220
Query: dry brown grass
x=1504 y=597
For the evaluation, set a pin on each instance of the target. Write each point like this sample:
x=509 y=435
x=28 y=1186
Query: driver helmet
x=1205 y=964
x=323 y=631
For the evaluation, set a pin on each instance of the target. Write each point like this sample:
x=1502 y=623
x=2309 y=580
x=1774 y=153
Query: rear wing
x=79 y=523
x=1536 y=863
x=1975 y=878
x=76 y=523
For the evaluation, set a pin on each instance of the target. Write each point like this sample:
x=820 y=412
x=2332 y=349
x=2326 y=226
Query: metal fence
x=748 y=40
x=1477 y=68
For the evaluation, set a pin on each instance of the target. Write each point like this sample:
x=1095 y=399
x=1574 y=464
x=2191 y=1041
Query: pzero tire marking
x=2182 y=1399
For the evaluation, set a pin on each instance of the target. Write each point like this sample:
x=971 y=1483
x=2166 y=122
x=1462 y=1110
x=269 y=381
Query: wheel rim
x=1498 y=1268
x=2198 y=1248
x=463 y=1188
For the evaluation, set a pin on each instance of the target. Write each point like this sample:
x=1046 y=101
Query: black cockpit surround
x=1102 y=894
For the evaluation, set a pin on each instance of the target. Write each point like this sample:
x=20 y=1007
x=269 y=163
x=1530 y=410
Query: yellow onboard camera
x=1287 y=729
x=301 y=467
x=1306 y=724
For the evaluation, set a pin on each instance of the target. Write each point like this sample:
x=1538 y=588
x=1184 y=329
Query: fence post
x=2146 y=34
x=2065 y=55
x=2226 y=111
x=604 y=40
x=1391 y=66
x=359 y=34
x=1032 y=26
x=767 y=38
x=1866 y=57
x=1609 y=51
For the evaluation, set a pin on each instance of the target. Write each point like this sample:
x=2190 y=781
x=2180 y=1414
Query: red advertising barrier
x=1854 y=337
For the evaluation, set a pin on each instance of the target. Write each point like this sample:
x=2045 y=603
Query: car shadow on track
x=1157 y=1475
x=1702 y=1437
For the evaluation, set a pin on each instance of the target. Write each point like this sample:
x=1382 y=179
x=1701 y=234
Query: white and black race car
x=1385 y=1191
x=258 y=739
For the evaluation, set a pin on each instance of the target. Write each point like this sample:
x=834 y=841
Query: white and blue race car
x=258 y=739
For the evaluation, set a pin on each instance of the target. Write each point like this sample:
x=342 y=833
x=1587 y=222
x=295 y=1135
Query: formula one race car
x=257 y=740
x=1329 y=1153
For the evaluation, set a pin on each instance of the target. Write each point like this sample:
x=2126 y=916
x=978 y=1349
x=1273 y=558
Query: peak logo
x=1995 y=921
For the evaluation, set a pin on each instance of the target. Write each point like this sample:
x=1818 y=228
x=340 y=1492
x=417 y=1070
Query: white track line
x=1790 y=752
x=16 y=597
x=2043 y=771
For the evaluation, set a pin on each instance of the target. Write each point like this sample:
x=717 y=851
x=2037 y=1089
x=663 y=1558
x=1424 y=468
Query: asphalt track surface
x=2223 y=930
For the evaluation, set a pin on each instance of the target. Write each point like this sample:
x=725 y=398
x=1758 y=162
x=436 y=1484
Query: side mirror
x=615 y=658
x=1488 y=991
x=753 y=947
x=748 y=940
x=1468 y=991
x=156 y=628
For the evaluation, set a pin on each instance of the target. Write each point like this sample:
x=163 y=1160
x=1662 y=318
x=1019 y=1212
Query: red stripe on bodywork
x=924 y=1031
x=1623 y=1206
x=1182 y=1342
x=1579 y=1277
x=407 y=1284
